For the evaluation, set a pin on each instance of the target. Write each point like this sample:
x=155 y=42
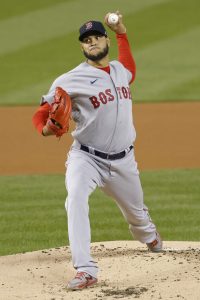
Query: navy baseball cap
x=91 y=27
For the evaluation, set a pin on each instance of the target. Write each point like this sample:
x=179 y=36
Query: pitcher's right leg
x=81 y=180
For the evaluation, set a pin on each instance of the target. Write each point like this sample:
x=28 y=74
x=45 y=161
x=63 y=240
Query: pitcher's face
x=95 y=47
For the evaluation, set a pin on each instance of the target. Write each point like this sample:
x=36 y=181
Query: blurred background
x=39 y=41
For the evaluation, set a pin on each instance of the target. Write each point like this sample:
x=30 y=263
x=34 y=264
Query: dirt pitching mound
x=128 y=271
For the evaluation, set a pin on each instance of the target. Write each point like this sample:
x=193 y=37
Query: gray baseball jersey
x=101 y=105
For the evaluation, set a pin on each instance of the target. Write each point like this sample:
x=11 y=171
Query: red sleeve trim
x=40 y=117
x=125 y=56
x=106 y=69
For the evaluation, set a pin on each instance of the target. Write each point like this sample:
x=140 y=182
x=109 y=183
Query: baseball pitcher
x=96 y=95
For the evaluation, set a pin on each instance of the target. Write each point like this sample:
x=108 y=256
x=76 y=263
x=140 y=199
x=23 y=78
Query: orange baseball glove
x=59 y=113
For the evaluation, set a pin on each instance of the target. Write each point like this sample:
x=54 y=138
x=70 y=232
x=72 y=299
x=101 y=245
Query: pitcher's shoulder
x=116 y=63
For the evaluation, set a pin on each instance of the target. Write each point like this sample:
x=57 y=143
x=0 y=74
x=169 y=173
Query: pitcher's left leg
x=125 y=187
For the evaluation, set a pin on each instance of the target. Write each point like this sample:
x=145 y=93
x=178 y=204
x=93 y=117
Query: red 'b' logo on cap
x=88 y=25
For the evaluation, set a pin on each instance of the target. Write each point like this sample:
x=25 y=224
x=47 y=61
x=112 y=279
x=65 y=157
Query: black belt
x=106 y=155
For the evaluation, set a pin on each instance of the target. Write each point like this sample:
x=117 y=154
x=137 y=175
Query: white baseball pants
x=119 y=179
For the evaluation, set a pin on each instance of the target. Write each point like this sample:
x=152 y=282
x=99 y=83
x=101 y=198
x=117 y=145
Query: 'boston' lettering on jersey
x=124 y=92
x=104 y=97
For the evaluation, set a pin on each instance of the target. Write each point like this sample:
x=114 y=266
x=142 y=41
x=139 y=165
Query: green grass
x=39 y=42
x=10 y=8
x=32 y=214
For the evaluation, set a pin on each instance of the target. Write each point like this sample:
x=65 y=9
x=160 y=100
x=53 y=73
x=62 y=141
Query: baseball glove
x=59 y=113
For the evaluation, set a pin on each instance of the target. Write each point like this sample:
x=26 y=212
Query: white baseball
x=113 y=19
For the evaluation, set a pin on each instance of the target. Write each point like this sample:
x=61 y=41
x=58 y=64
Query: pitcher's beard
x=98 y=56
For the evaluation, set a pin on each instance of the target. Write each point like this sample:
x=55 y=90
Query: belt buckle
x=127 y=150
x=91 y=150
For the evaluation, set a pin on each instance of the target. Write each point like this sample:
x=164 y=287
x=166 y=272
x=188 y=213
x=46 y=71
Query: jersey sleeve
x=61 y=81
x=40 y=117
x=125 y=56
x=50 y=95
